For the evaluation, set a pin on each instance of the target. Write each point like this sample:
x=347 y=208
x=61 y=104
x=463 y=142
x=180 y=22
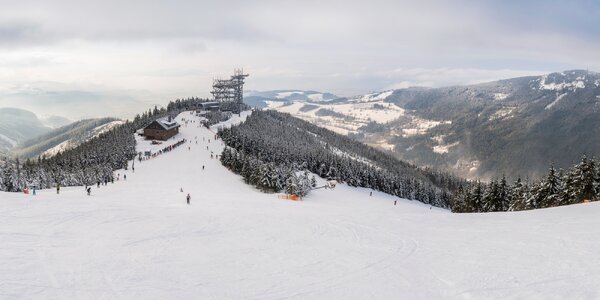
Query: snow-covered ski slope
x=137 y=239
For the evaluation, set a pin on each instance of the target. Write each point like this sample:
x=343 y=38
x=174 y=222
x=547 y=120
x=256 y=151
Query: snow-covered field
x=137 y=239
x=351 y=115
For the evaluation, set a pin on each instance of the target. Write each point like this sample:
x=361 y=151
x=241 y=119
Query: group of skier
x=163 y=150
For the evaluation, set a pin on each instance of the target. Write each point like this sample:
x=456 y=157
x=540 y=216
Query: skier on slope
x=89 y=190
x=188 y=197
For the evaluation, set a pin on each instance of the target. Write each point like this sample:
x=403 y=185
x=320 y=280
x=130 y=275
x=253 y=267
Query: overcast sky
x=97 y=58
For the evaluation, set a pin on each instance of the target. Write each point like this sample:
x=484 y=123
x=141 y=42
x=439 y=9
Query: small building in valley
x=161 y=129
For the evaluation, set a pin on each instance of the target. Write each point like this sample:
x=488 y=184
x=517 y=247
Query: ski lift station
x=210 y=106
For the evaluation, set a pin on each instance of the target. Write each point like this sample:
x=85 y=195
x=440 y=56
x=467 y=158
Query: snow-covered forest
x=271 y=145
x=270 y=148
x=214 y=117
x=563 y=187
x=76 y=133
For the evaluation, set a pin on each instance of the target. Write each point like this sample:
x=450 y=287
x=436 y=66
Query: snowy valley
x=484 y=130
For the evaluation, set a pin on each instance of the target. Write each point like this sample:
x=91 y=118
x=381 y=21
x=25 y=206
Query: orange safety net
x=290 y=197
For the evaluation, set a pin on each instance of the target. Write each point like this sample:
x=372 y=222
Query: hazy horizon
x=107 y=58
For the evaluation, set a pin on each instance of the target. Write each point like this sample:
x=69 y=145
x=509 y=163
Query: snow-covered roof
x=166 y=124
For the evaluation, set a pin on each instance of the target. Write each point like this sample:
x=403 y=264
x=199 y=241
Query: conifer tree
x=518 y=196
x=548 y=192
x=503 y=195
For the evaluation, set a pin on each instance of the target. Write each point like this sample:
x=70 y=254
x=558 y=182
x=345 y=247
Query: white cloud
x=175 y=48
x=448 y=77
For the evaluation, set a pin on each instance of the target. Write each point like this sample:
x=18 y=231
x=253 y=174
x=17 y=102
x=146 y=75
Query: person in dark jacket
x=188 y=198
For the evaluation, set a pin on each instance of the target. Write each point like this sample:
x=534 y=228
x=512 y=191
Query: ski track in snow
x=137 y=239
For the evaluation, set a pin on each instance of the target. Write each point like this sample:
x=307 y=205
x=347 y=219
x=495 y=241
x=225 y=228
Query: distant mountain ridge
x=17 y=125
x=64 y=138
x=515 y=126
x=262 y=98
x=23 y=134
x=55 y=121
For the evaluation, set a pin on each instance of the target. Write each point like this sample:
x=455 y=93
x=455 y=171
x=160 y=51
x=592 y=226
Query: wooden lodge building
x=161 y=129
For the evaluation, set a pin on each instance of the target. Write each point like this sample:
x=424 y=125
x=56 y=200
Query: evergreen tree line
x=214 y=117
x=193 y=103
x=279 y=142
x=89 y=162
x=268 y=176
x=574 y=185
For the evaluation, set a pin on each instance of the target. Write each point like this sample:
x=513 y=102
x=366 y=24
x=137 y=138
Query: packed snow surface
x=137 y=239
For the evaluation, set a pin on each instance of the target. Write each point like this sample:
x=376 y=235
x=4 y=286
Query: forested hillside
x=18 y=125
x=269 y=143
x=516 y=127
x=73 y=134
x=270 y=148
